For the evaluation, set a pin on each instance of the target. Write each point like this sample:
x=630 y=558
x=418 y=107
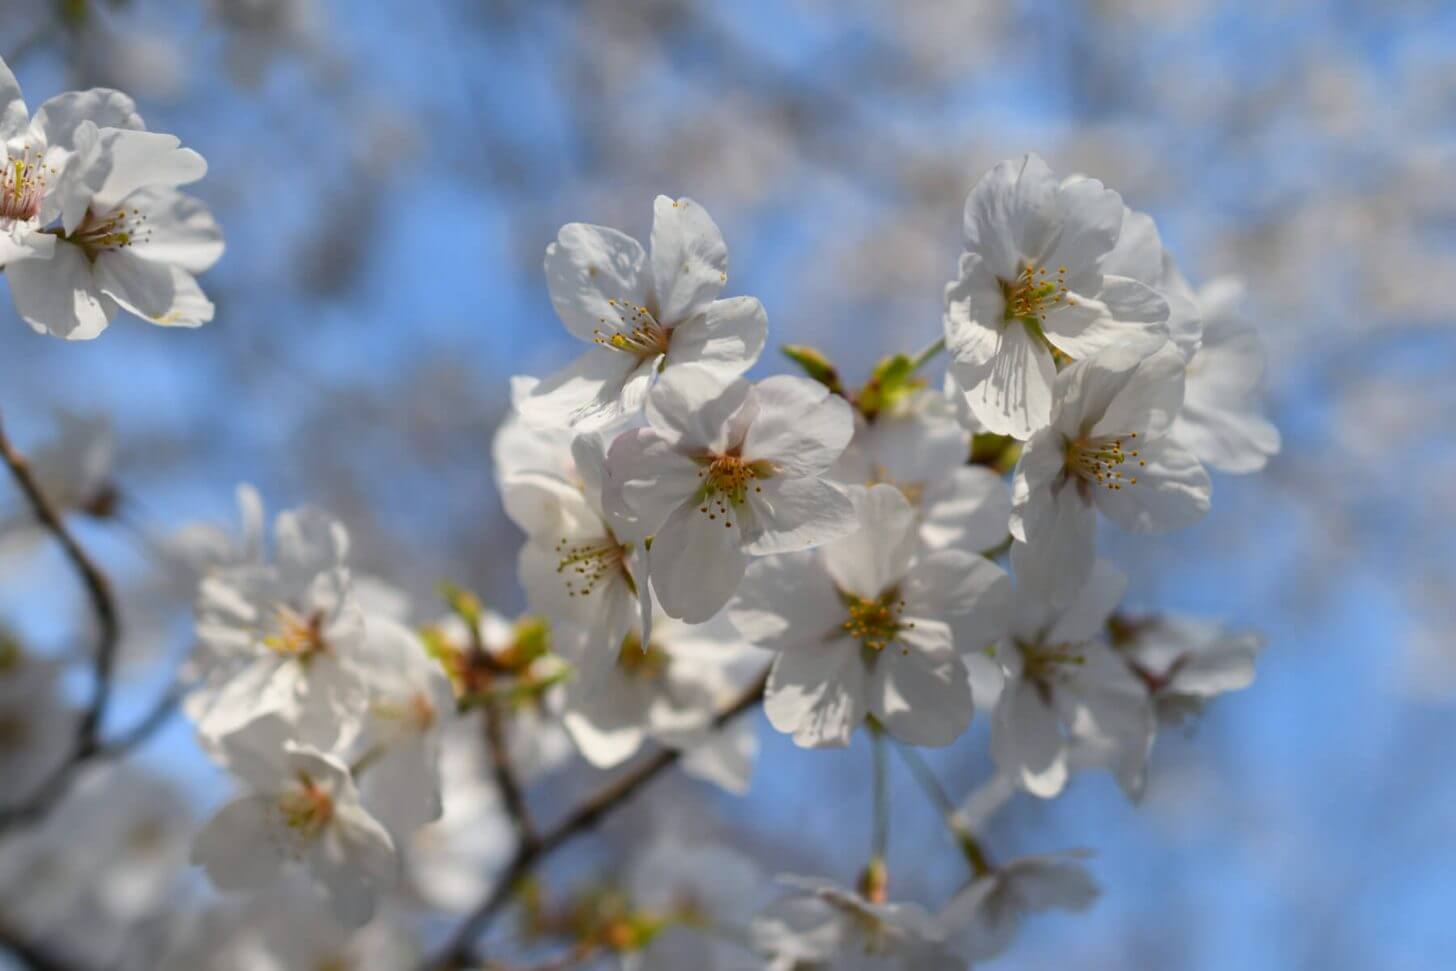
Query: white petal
x=796 y=514
x=1123 y=313
x=727 y=336
x=61 y=116
x=784 y=600
x=693 y=406
x=180 y=230
x=919 y=688
x=59 y=296
x=816 y=691
x=592 y=271
x=14 y=117
x=1026 y=741
x=697 y=563
x=1091 y=220
x=1010 y=392
x=1012 y=214
x=651 y=477
x=689 y=258
x=162 y=294
x=241 y=847
x=969 y=509
x=877 y=555
x=1054 y=562
x=1085 y=616
x=800 y=427
x=596 y=389
x=143 y=158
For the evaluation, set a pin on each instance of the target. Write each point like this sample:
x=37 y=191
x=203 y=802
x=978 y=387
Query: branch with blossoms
x=890 y=557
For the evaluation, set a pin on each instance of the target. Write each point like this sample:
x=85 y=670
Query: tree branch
x=108 y=625
x=458 y=950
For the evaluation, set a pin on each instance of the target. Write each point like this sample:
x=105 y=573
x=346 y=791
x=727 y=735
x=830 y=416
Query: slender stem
x=458 y=949
x=108 y=623
x=505 y=773
x=927 y=355
x=949 y=813
x=880 y=839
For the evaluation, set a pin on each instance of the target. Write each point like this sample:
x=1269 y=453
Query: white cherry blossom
x=868 y=626
x=1062 y=683
x=1185 y=662
x=1032 y=288
x=646 y=314
x=723 y=474
x=301 y=806
x=1106 y=449
x=703 y=895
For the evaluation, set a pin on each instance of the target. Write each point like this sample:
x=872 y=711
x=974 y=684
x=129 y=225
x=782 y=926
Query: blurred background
x=388 y=175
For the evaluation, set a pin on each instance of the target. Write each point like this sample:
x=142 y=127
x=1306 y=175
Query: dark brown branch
x=457 y=951
x=108 y=635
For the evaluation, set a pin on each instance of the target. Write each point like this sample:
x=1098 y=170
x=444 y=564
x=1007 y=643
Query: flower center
x=1034 y=293
x=307 y=807
x=116 y=230
x=1040 y=662
x=585 y=565
x=22 y=186
x=1099 y=461
x=297 y=636
x=875 y=623
x=726 y=481
x=636 y=332
x=646 y=664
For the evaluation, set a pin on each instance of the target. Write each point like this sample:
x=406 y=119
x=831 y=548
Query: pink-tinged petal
x=58 y=296
x=1010 y=392
x=800 y=427
x=591 y=392
x=697 y=563
x=1172 y=491
x=816 y=692
x=727 y=336
x=597 y=279
x=689 y=259
x=795 y=514
x=919 y=688
x=1026 y=741
x=876 y=556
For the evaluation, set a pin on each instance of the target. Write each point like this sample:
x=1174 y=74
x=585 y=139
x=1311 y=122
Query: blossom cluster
x=890 y=558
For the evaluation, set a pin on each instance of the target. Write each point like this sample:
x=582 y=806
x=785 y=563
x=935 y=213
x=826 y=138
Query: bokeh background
x=389 y=173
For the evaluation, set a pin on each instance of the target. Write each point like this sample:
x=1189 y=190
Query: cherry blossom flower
x=984 y=916
x=301 y=806
x=646 y=314
x=723 y=474
x=92 y=222
x=1061 y=684
x=1032 y=288
x=283 y=637
x=695 y=898
x=1107 y=449
x=1185 y=662
x=868 y=626
x=825 y=925
x=1221 y=421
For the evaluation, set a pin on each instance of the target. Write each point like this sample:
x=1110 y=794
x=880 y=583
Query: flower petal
x=697 y=563
x=689 y=259
x=796 y=514
x=726 y=337
x=816 y=691
x=800 y=427
x=596 y=278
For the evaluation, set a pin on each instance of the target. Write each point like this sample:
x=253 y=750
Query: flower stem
x=927 y=355
x=924 y=775
x=881 y=834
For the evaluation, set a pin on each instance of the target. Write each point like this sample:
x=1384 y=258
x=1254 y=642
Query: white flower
x=984 y=916
x=283 y=637
x=1107 y=448
x=1062 y=685
x=409 y=699
x=1031 y=287
x=645 y=315
x=578 y=566
x=520 y=447
x=723 y=474
x=301 y=807
x=204 y=547
x=113 y=232
x=1221 y=421
x=1139 y=255
x=703 y=895
x=828 y=926
x=865 y=627
x=667 y=689
x=1185 y=662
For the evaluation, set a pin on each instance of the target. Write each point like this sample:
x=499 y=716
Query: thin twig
x=108 y=624
x=457 y=951
x=505 y=774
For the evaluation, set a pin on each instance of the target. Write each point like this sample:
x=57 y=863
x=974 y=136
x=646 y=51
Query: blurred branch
x=29 y=955
x=505 y=774
x=457 y=952
x=108 y=624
